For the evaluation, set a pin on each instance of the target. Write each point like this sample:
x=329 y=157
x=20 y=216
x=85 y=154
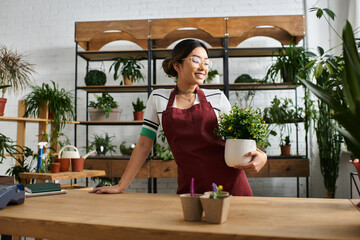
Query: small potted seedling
x=191 y=204
x=216 y=204
x=138 y=109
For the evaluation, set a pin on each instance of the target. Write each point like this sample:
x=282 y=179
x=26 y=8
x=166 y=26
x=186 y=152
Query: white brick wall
x=44 y=31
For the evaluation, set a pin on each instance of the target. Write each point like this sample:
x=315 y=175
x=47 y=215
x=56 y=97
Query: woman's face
x=194 y=68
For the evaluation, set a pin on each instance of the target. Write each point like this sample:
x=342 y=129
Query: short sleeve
x=151 y=119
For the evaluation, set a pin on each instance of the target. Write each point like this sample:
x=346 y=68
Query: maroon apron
x=198 y=151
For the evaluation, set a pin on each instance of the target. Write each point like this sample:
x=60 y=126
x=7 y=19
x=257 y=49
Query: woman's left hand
x=257 y=162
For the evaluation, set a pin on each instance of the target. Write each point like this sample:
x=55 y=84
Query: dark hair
x=181 y=51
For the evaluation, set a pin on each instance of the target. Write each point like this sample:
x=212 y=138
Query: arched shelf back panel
x=101 y=39
x=183 y=34
x=85 y=31
x=272 y=32
x=160 y=28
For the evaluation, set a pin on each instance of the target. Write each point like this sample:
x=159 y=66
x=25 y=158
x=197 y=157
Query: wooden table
x=42 y=177
x=81 y=215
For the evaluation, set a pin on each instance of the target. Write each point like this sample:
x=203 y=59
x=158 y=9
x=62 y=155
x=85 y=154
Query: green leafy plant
x=14 y=70
x=26 y=162
x=126 y=150
x=7 y=145
x=102 y=144
x=95 y=77
x=138 y=105
x=244 y=123
x=106 y=181
x=129 y=68
x=211 y=75
x=162 y=150
x=106 y=102
x=60 y=103
x=290 y=62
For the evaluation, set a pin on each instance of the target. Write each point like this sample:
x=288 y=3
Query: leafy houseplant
x=126 y=150
x=106 y=104
x=282 y=112
x=102 y=144
x=241 y=127
x=60 y=104
x=289 y=63
x=14 y=72
x=26 y=162
x=7 y=145
x=129 y=68
x=138 y=109
x=213 y=76
x=95 y=78
x=163 y=150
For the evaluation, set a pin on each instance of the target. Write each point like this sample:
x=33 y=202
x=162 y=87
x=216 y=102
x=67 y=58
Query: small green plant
x=106 y=181
x=290 y=62
x=7 y=145
x=60 y=103
x=126 y=150
x=163 y=150
x=129 y=68
x=211 y=75
x=138 y=105
x=106 y=102
x=14 y=70
x=217 y=191
x=26 y=162
x=245 y=123
x=95 y=77
x=102 y=144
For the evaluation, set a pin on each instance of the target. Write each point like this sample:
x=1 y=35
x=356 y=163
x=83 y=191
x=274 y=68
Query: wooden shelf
x=119 y=88
x=62 y=175
x=22 y=119
x=111 y=122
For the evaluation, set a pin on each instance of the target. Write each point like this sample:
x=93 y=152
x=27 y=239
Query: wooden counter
x=80 y=215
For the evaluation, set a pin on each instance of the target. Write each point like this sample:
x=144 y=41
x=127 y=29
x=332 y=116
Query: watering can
x=73 y=154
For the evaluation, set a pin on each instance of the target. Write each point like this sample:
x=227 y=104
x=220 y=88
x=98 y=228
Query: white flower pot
x=216 y=79
x=236 y=149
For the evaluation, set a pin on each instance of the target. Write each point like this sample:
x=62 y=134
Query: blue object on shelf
x=11 y=193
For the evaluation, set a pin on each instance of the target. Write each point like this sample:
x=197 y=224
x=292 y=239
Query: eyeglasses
x=195 y=60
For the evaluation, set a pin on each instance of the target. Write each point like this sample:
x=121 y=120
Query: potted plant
x=95 y=78
x=289 y=63
x=213 y=76
x=25 y=162
x=129 y=68
x=243 y=129
x=138 y=109
x=282 y=112
x=14 y=72
x=127 y=151
x=7 y=145
x=216 y=205
x=105 y=108
x=102 y=144
x=162 y=149
x=60 y=104
x=191 y=204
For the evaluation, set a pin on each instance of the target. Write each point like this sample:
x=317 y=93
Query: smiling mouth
x=200 y=75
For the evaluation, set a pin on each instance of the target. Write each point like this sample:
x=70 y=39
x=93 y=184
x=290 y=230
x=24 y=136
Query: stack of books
x=43 y=189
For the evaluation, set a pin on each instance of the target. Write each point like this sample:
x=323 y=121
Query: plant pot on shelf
x=2 y=106
x=285 y=150
x=77 y=164
x=191 y=206
x=138 y=116
x=64 y=164
x=99 y=114
x=216 y=210
x=127 y=81
x=235 y=149
x=55 y=167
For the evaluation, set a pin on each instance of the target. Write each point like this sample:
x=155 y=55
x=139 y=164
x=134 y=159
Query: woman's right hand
x=107 y=189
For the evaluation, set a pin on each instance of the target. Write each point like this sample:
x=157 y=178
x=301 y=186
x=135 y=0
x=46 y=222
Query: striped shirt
x=158 y=101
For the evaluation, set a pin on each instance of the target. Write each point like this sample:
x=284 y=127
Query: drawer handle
x=288 y=168
x=168 y=169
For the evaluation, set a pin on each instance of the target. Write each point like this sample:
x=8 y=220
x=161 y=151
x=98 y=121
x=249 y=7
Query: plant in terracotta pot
x=60 y=104
x=129 y=69
x=105 y=108
x=244 y=130
x=15 y=72
x=95 y=78
x=102 y=144
x=216 y=205
x=138 y=109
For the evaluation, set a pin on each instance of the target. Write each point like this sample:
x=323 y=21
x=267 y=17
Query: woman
x=188 y=116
